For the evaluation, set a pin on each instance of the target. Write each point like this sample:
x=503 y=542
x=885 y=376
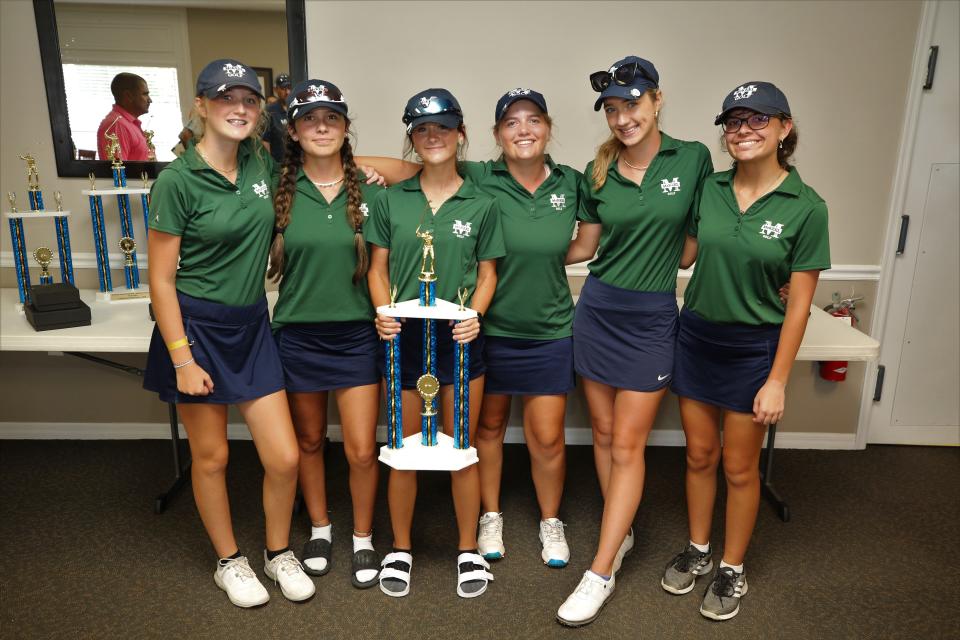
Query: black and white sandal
x=365 y=560
x=316 y=548
x=395 y=574
x=473 y=575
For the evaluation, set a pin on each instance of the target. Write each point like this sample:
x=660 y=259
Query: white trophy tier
x=413 y=455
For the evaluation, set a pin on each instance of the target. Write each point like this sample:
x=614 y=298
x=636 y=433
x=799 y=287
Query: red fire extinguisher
x=836 y=370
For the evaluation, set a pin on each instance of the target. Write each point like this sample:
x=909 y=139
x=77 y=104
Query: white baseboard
x=238 y=431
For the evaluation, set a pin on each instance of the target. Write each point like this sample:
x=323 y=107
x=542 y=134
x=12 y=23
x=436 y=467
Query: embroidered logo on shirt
x=744 y=91
x=461 y=229
x=156 y=218
x=262 y=190
x=670 y=187
x=558 y=202
x=771 y=231
x=234 y=70
x=364 y=209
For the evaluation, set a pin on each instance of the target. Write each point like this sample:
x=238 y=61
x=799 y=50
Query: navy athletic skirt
x=328 y=355
x=232 y=344
x=723 y=364
x=411 y=354
x=624 y=338
x=520 y=367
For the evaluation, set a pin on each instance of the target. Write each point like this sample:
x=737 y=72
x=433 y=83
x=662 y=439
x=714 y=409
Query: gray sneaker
x=681 y=573
x=722 y=599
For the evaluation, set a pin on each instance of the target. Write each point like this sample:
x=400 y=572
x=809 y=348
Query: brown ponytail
x=283 y=205
x=354 y=214
x=606 y=154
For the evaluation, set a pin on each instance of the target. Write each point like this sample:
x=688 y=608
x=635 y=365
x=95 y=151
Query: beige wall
x=843 y=65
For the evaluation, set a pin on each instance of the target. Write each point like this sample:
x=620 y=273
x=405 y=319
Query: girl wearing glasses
x=637 y=201
x=527 y=329
x=210 y=229
x=465 y=227
x=322 y=319
x=756 y=225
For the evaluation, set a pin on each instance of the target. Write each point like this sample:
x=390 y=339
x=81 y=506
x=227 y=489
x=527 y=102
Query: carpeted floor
x=867 y=555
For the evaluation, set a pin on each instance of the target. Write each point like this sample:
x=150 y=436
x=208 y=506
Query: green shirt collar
x=791 y=185
x=668 y=144
x=500 y=165
x=466 y=190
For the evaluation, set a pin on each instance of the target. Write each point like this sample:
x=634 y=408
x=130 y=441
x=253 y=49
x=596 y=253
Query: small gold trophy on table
x=44 y=257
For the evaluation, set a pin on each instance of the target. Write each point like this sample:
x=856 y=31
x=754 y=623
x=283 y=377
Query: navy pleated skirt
x=516 y=366
x=411 y=353
x=328 y=355
x=723 y=364
x=232 y=344
x=624 y=338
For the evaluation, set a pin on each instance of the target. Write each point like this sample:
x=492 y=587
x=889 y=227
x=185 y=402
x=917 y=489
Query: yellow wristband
x=176 y=344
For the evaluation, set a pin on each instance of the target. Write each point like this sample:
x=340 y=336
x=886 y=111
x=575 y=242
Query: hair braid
x=283 y=205
x=354 y=214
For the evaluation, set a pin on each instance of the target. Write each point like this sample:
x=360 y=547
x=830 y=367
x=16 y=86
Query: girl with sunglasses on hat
x=756 y=225
x=465 y=228
x=636 y=204
x=527 y=329
x=323 y=316
x=211 y=224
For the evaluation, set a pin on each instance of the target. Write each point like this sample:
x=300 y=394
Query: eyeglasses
x=317 y=93
x=755 y=121
x=623 y=75
x=430 y=106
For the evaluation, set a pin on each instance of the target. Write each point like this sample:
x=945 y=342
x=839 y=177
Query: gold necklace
x=634 y=167
x=211 y=165
x=443 y=196
x=767 y=190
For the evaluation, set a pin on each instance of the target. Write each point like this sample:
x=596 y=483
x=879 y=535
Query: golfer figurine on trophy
x=431 y=449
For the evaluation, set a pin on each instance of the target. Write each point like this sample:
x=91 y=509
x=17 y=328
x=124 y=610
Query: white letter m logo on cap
x=744 y=91
x=234 y=70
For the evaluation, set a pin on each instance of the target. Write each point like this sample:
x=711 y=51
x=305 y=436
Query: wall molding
x=88 y=260
x=238 y=431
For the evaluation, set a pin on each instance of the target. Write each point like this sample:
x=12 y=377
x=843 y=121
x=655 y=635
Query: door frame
x=908 y=135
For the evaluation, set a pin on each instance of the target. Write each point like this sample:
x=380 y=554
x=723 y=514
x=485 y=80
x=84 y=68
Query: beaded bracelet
x=183 y=364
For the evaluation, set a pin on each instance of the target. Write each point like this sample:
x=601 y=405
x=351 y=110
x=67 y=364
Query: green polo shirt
x=643 y=227
x=466 y=229
x=744 y=258
x=225 y=229
x=532 y=300
x=320 y=258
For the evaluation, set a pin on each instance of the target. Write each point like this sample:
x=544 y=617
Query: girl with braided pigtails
x=323 y=317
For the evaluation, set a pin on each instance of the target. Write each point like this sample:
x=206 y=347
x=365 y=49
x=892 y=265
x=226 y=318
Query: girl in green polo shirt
x=637 y=200
x=527 y=329
x=465 y=226
x=756 y=226
x=323 y=319
x=211 y=223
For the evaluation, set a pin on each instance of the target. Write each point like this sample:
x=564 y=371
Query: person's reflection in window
x=132 y=97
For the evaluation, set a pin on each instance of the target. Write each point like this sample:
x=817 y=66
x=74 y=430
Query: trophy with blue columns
x=42 y=255
x=127 y=244
x=430 y=449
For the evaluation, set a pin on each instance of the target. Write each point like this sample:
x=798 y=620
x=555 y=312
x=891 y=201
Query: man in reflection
x=276 y=131
x=132 y=100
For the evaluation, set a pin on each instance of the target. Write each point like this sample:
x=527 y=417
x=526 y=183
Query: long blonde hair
x=608 y=152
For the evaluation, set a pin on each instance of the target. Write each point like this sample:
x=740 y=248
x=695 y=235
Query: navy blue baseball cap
x=762 y=97
x=223 y=74
x=513 y=95
x=432 y=105
x=314 y=94
x=282 y=81
x=629 y=79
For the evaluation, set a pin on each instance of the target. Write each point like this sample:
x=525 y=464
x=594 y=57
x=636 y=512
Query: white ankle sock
x=736 y=567
x=702 y=548
x=364 y=575
x=325 y=532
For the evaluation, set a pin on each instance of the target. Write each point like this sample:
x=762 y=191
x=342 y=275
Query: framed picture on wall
x=265 y=74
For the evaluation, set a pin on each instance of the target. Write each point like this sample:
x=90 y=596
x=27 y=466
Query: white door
x=919 y=398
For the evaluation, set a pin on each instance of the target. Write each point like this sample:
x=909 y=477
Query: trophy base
x=413 y=456
x=136 y=295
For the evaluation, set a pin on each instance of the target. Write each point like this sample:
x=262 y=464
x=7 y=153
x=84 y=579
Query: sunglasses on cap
x=431 y=106
x=316 y=93
x=623 y=75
